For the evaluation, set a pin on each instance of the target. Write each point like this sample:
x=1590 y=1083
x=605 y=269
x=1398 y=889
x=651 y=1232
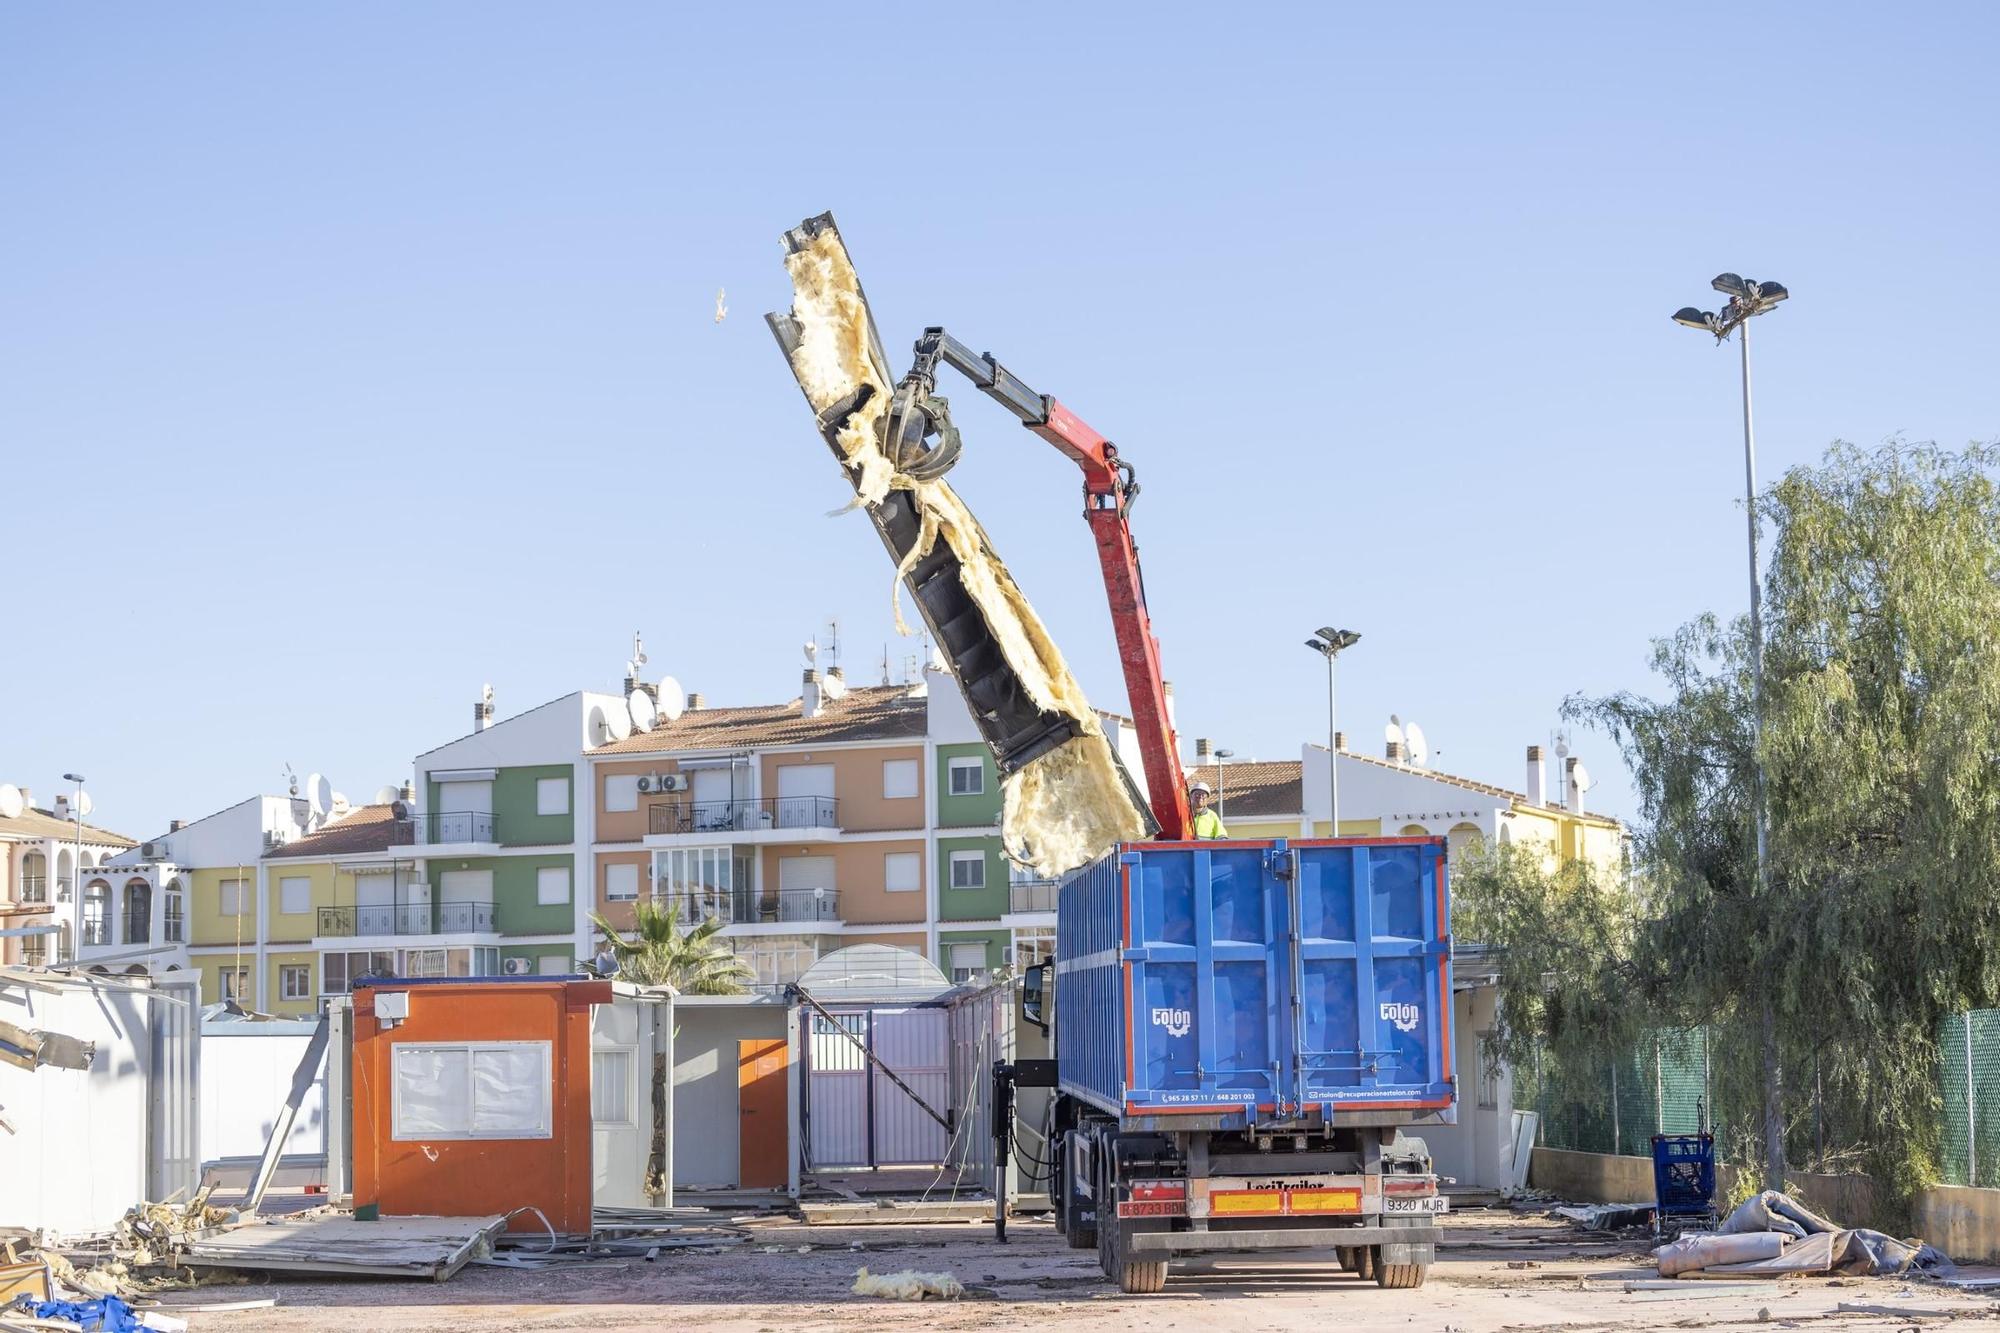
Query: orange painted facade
x=857 y=785
x=860 y=875
x=470 y=1177
x=627 y=825
x=619 y=912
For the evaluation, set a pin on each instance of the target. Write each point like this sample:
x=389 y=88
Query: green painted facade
x=982 y=904
x=515 y=911
x=995 y=941
x=515 y=823
x=534 y=953
x=967 y=811
x=514 y=807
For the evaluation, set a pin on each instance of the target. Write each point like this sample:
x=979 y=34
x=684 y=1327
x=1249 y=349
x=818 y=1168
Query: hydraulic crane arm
x=1109 y=488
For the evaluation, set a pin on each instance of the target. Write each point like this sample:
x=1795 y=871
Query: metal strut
x=1110 y=487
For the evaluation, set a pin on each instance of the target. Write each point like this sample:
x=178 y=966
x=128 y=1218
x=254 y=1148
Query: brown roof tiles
x=36 y=823
x=864 y=713
x=371 y=828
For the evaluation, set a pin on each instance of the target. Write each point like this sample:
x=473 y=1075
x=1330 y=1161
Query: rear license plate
x=1436 y=1203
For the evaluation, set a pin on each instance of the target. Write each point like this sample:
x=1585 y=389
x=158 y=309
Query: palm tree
x=693 y=961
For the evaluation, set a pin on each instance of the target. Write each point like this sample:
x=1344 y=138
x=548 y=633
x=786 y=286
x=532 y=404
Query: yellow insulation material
x=1070 y=805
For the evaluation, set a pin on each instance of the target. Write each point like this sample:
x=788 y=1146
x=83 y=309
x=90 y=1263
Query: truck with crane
x=1243 y=1029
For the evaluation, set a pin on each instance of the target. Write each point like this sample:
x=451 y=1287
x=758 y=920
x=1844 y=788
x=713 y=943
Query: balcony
x=34 y=888
x=453 y=918
x=766 y=814
x=1032 y=895
x=745 y=908
x=447 y=826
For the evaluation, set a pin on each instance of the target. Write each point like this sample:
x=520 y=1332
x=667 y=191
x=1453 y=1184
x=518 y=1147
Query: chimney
x=1571 y=786
x=409 y=793
x=27 y=798
x=1173 y=726
x=809 y=696
x=1395 y=752
x=835 y=686
x=482 y=711
x=1203 y=752
x=1538 y=777
x=696 y=702
x=175 y=826
x=1340 y=740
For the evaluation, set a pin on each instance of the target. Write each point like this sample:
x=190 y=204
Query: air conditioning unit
x=517 y=967
x=651 y=782
x=273 y=840
x=674 y=782
x=152 y=851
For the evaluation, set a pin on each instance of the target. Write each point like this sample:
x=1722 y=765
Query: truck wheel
x=1135 y=1277
x=1400 y=1276
x=1360 y=1261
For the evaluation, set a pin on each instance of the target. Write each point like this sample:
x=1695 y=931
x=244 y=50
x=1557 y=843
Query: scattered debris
x=432 y=1247
x=1772 y=1234
x=908 y=1285
x=1607 y=1216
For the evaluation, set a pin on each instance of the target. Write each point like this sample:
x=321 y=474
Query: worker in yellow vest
x=1207 y=824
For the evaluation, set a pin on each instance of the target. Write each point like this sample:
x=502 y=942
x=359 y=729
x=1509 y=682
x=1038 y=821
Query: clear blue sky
x=352 y=356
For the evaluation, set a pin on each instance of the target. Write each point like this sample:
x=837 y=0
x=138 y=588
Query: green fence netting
x=1969 y=1088
x=1617 y=1105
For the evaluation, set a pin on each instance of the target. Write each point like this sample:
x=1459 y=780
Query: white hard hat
x=1201 y=787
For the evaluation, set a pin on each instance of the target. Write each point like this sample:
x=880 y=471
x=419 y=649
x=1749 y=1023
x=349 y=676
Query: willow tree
x=1882 y=709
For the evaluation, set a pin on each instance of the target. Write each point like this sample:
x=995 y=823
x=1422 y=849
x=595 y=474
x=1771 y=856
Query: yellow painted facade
x=274 y=990
x=213 y=965
x=206 y=923
x=323 y=882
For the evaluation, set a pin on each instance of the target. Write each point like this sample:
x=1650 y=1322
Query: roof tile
x=865 y=713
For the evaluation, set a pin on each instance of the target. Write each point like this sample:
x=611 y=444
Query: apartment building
x=210 y=870
x=1391 y=795
x=42 y=853
x=803 y=826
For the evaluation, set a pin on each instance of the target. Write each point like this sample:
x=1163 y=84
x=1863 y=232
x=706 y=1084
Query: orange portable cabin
x=472 y=1097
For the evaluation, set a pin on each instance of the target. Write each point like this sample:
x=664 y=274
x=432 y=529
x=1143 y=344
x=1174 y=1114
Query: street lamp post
x=76 y=883
x=1330 y=643
x=1221 y=755
x=1747 y=300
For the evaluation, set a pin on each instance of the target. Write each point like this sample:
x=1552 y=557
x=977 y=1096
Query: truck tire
x=1401 y=1277
x=1135 y=1277
x=1360 y=1261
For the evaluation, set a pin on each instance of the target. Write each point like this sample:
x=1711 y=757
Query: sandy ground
x=1495 y=1272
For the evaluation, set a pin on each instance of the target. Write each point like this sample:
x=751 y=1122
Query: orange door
x=761 y=1129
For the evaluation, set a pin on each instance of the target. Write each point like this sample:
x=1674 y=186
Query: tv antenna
x=832 y=643
x=292 y=779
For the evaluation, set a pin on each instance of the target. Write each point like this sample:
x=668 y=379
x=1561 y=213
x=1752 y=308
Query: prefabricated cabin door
x=762 y=1130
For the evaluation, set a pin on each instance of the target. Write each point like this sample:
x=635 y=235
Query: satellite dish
x=340 y=803
x=1393 y=733
x=617 y=723
x=11 y=804
x=84 y=805
x=319 y=794
x=1420 y=749
x=673 y=699
x=386 y=795
x=400 y=809
x=1582 y=775
x=596 y=727
x=643 y=710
